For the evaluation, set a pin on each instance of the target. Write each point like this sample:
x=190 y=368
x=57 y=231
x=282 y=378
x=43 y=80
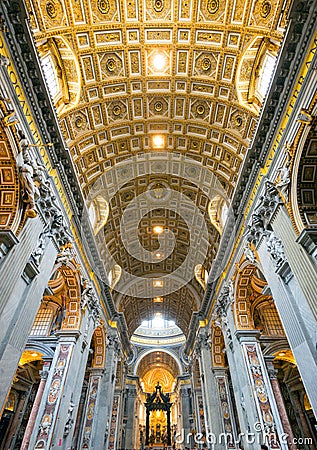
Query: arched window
x=43 y=321
x=266 y=74
x=50 y=75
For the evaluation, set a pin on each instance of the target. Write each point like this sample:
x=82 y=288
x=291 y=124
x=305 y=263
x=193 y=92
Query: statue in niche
x=65 y=255
x=284 y=175
x=30 y=192
x=276 y=249
x=39 y=251
x=58 y=321
x=88 y=294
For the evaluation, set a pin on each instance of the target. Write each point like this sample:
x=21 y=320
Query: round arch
x=65 y=283
x=158 y=349
x=247 y=287
x=99 y=344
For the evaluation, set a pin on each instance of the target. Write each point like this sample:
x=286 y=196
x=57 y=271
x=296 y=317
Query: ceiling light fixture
x=158 y=141
x=158 y=299
x=158 y=229
x=159 y=62
x=157 y=283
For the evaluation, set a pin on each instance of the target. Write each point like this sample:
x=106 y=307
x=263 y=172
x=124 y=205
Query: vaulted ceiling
x=147 y=89
x=158 y=366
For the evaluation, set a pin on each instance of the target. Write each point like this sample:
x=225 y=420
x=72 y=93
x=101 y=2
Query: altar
x=158 y=419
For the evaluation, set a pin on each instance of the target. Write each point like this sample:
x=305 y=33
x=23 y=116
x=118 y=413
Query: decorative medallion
x=51 y=10
x=79 y=122
x=158 y=5
x=103 y=6
x=265 y=9
x=158 y=106
x=238 y=121
x=212 y=6
x=158 y=191
x=200 y=110
x=206 y=64
x=116 y=110
x=111 y=64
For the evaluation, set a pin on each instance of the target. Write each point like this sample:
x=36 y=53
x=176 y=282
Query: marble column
x=303 y=419
x=243 y=391
x=80 y=415
x=48 y=427
x=280 y=403
x=103 y=420
x=229 y=431
x=209 y=389
x=67 y=412
x=131 y=396
x=302 y=266
x=21 y=294
x=186 y=411
x=35 y=408
x=269 y=421
x=298 y=323
x=91 y=408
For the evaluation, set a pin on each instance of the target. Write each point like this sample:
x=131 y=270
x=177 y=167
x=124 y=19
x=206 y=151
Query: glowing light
x=158 y=299
x=159 y=62
x=34 y=354
x=266 y=74
x=158 y=141
x=281 y=354
x=158 y=229
x=158 y=322
x=157 y=283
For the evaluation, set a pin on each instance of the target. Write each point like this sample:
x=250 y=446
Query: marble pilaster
x=91 y=404
x=20 y=306
x=297 y=322
x=269 y=422
x=35 y=408
x=102 y=426
x=209 y=388
x=272 y=372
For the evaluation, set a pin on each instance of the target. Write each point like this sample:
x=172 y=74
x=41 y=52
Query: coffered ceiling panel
x=183 y=72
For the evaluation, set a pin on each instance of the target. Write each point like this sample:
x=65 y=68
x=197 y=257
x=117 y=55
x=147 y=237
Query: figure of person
x=30 y=192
